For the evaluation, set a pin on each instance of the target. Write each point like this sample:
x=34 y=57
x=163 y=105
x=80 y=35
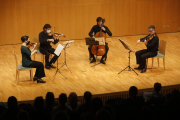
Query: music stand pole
x=65 y=58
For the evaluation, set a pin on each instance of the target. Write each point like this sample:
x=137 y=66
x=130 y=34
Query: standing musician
x=45 y=38
x=95 y=29
x=152 y=43
x=27 y=62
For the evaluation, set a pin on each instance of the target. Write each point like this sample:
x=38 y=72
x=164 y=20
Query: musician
x=27 y=62
x=45 y=48
x=152 y=43
x=95 y=29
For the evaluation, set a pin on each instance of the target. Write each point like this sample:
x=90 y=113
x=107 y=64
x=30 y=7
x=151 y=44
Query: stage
x=99 y=79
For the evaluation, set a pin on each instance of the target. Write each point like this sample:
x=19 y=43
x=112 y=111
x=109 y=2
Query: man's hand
x=51 y=40
x=138 y=41
x=145 y=42
x=103 y=28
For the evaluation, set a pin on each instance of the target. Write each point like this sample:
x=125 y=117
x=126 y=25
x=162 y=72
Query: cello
x=99 y=50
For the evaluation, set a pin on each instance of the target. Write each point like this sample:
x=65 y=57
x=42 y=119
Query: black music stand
x=92 y=41
x=126 y=46
x=66 y=44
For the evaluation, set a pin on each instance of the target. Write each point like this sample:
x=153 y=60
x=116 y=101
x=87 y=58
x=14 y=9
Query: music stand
x=66 y=44
x=126 y=46
x=95 y=41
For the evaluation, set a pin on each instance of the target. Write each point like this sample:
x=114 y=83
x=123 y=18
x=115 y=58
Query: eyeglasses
x=150 y=30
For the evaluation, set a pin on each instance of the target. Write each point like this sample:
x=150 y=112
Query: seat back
x=36 y=40
x=16 y=60
x=162 y=47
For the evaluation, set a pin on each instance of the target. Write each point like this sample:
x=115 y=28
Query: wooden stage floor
x=98 y=80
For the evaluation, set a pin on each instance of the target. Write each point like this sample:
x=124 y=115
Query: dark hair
x=24 y=38
x=62 y=98
x=46 y=26
x=60 y=115
x=12 y=102
x=151 y=26
x=39 y=102
x=133 y=91
x=73 y=99
x=23 y=115
x=49 y=98
x=157 y=87
x=96 y=104
x=103 y=115
x=98 y=19
x=87 y=96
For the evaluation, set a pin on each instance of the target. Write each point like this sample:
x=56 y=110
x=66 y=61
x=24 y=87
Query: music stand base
x=130 y=69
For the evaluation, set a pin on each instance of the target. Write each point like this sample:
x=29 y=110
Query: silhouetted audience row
x=147 y=106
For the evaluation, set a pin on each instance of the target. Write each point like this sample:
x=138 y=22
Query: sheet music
x=67 y=44
x=101 y=40
x=58 y=49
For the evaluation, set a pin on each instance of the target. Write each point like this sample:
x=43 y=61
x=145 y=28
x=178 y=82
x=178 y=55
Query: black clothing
x=45 y=47
x=27 y=62
x=26 y=56
x=151 y=51
x=94 y=30
x=39 y=69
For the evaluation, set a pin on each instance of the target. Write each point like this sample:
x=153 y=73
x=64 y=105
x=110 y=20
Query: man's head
x=133 y=91
x=62 y=98
x=157 y=87
x=151 y=29
x=12 y=102
x=99 y=21
x=47 y=28
x=87 y=96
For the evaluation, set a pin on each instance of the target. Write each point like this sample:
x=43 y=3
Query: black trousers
x=92 y=55
x=142 y=55
x=39 y=69
x=47 y=52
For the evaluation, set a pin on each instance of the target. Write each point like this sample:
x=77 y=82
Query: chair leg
x=158 y=61
x=152 y=63
x=164 y=62
x=18 y=77
x=31 y=74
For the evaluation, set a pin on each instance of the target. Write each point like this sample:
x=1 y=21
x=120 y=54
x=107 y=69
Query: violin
x=55 y=34
x=150 y=37
x=99 y=50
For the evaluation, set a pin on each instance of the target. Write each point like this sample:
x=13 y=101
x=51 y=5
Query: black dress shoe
x=47 y=66
x=143 y=70
x=102 y=61
x=52 y=66
x=93 y=60
x=40 y=81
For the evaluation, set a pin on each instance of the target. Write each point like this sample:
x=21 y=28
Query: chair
x=36 y=40
x=21 y=68
x=161 y=54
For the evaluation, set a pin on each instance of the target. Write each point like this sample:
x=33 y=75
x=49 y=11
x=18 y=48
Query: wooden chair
x=21 y=68
x=161 y=54
x=36 y=40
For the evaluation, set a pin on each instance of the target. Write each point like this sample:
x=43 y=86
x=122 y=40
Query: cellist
x=95 y=29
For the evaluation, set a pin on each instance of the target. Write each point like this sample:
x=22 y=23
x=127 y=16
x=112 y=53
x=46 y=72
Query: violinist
x=26 y=59
x=45 y=38
x=152 y=43
x=95 y=29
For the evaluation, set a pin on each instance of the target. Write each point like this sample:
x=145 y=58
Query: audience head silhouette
x=87 y=96
x=62 y=98
x=12 y=102
x=49 y=98
x=157 y=87
x=39 y=102
x=133 y=91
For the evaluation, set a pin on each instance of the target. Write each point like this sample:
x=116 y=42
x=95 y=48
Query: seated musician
x=45 y=38
x=152 y=43
x=95 y=29
x=27 y=62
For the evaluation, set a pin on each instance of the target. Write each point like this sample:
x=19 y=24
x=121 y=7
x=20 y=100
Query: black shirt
x=153 y=44
x=26 y=56
x=43 y=40
x=96 y=29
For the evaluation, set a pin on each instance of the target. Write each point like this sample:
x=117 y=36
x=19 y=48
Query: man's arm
x=91 y=32
x=153 y=41
x=43 y=40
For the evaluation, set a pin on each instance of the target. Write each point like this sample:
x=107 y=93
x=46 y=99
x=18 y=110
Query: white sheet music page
x=58 y=49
